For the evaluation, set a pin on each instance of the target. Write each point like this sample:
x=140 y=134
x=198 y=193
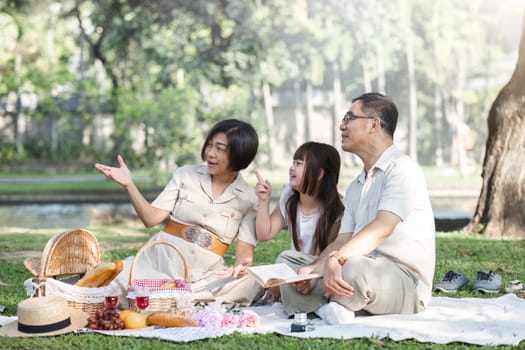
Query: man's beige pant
x=380 y=286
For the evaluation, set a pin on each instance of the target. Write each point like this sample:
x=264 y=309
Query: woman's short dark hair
x=382 y=107
x=243 y=142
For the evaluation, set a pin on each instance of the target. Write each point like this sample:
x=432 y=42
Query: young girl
x=309 y=204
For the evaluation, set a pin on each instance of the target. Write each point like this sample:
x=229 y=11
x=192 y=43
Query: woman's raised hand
x=120 y=175
x=263 y=189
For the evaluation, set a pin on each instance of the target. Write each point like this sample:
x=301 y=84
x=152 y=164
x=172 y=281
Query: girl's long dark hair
x=318 y=156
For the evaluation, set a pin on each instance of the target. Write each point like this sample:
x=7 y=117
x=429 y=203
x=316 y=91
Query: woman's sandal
x=514 y=287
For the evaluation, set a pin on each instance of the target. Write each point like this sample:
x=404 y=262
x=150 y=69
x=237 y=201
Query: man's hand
x=334 y=283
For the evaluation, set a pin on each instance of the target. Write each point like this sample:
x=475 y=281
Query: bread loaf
x=101 y=275
x=169 y=319
x=135 y=320
x=118 y=267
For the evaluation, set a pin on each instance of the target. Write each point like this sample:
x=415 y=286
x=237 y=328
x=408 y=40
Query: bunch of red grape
x=105 y=319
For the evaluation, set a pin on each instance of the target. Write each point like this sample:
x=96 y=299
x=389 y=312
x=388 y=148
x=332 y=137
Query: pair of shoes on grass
x=486 y=282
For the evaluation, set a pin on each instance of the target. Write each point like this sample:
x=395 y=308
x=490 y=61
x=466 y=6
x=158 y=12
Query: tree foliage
x=162 y=71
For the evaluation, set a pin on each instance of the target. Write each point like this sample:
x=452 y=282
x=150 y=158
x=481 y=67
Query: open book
x=277 y=274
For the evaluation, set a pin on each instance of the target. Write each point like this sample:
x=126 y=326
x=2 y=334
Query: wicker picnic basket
x=86 y=299
x=164 y=294
x=69 y=253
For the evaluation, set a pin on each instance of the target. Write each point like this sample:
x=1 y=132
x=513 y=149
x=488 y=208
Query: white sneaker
x=334 y=313
x=514 y=286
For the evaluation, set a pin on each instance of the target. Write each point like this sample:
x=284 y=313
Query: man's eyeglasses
x=349 y=116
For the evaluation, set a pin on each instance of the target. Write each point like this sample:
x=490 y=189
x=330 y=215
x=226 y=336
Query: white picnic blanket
x=494 y=321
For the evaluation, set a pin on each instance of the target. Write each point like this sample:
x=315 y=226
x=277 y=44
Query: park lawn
x=467 y=254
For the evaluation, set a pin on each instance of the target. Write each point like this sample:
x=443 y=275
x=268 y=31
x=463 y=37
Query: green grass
x=113 y=237
x=467 y=254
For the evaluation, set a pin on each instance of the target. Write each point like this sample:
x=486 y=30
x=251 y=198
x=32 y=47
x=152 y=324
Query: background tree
x=147 y=78
x=172 y=66
x=11 y=54
x=499 y=212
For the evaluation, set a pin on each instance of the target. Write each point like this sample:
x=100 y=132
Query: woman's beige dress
x=188 y=196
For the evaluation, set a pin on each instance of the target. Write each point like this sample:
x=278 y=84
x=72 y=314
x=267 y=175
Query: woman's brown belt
x=195 y=234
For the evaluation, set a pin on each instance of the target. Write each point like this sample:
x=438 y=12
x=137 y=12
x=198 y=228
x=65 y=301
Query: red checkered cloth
x=157 y=285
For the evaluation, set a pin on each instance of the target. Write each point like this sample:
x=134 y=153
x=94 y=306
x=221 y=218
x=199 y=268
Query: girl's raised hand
x=263 y=189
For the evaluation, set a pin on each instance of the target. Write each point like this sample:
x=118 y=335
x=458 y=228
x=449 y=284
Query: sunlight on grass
x=455 y=251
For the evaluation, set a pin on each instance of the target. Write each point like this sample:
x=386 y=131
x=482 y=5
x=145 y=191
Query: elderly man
x=384 y=257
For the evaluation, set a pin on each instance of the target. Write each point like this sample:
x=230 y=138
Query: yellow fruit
x=123 y=314
x=134 y=320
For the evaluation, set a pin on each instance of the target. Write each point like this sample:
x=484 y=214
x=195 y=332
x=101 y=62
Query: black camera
x=300 y=323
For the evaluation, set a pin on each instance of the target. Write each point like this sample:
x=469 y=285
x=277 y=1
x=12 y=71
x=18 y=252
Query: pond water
x=84 y=214
x=61 y=215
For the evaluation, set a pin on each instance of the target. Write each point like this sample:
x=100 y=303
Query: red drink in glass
x=111 y=301
x=142 y=302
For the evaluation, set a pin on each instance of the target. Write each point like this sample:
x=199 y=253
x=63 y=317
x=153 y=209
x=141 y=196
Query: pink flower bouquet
x=231 y=318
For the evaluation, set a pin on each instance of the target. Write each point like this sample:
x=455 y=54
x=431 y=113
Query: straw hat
x=44 y=316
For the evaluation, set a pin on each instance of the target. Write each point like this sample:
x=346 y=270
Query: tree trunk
x=438 y=128
x=461 y=118
x=309 y=109
x=268 y=112
x=438 y=100
x=486 y=106
x=412 y=87
x=499 y=212
x=18 y=134
x=298 y=114
x=338 y=99
x=367 y=81
x=380 y=56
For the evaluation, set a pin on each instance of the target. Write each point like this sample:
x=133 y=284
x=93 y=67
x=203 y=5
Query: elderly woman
x=208 y=206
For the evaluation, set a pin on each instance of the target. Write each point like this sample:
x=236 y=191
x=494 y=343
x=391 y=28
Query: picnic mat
x=493 y=321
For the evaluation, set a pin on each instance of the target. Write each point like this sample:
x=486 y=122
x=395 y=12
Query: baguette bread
x=101 y=275
x=169 y=319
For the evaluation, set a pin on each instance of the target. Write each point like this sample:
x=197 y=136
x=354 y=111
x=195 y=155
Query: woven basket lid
x=71 y=252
